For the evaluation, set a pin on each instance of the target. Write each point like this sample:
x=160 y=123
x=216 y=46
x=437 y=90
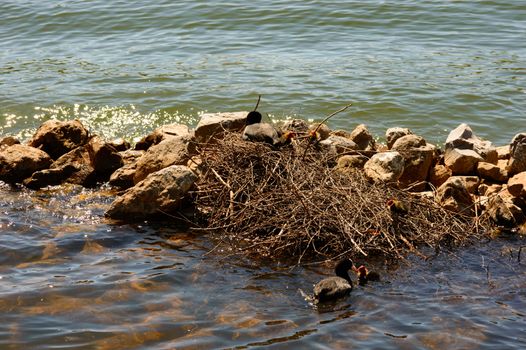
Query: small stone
x=393 y=134
x=385 y=167
x=120 y=144
x=362 y=137
x=79 y=158
x=503 y=211
x=122 y=178
x=18 y=162
x=488 y=189
x=462 y=161
x=471 y=183
x=295 y=125
x=214 y=125
x=50 y=177
x=491 y=172
x=338 y=144
x=322 y=131
x=57 y=138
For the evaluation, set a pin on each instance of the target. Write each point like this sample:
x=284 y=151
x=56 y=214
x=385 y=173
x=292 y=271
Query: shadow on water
x=70 y=279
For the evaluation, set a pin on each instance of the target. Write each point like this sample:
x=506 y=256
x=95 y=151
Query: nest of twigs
x=288 y=203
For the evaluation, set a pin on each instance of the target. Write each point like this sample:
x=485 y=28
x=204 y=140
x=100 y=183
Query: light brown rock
x=488 y=189
x=50 y=177
x=491 y=172
x=462 y=137
x=172 y=151
x=161 y=192
x=122 y=178
x=18 y=162
x=338 y=144
x=517 y=161
x=393 y=134
x=385 y=167
x=454 y=196
x=517 y=185
x=503 y=211
x=57 y=138
x=322 y=131
x=162 y=133
x=417 y=163
x=362 y=137
x=80 y=159
x=408 y=142
x=105 y=159
x=471 y=183
x=503 y=152
x=214 y=125
x=120 y=144
x=351 y=161
x=7 y=141
x=439 y=174
x=462 y=161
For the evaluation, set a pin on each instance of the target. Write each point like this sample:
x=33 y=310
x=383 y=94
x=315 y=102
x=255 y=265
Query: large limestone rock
x=417 y=163
x=385 y=167
x=18 y=162
x=393 y=134
x=362 y=137
x=463 y=137
x=161 y=192
x=454 y=196
x=491 y=172
x=172 y=151
x=104 y=157
x=462 y=161
x=162 y=133
x=503 y=210
x=214 y=125
x=517 y=161
x=57 y=138
x=517 y=185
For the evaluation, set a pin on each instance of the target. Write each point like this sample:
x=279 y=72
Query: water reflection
x=70 y=279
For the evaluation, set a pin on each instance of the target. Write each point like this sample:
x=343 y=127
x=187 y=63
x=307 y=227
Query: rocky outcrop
x=517 y=161
x=172 y=151
x=57 y=138
x=162 y=133
x=362 y=138
x=393 y=134
x=214 y=125
x=161 y=192
x=454 y=196
x=18 y=162
x=385 y=167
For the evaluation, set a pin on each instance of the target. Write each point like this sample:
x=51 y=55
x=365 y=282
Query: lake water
x=71 y=280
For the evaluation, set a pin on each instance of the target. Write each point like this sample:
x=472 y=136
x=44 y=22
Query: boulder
x=385 y=167
x=7 y=141
x=463 y=138
x=214 y=125
x=50 y=177
x=503 y=211
x=454 y=196
x=105 y=158
x=161 y=134
x=409 y=142
x=362 y=137
x=517 y=185
x=491 y=172
x=462 y=161
x=393 y=134
x=18 y=162
x=417 y=162
x=517 y=161
x=439 y=174
x=503 y=152
x=338 y=144
x=161 y=192
x=80 y=159
x=172 y=151
x=350 y=161
x=57 y=138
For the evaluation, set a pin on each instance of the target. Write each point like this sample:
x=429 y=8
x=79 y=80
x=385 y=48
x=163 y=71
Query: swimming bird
x=257 y=131
x=335 y=287
x=364 y=275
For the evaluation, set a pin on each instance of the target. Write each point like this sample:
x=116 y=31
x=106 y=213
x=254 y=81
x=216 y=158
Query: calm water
x=71 y=280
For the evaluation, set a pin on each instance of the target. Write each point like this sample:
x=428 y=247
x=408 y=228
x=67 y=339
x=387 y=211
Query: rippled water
x=427 y=65
x=72 y=280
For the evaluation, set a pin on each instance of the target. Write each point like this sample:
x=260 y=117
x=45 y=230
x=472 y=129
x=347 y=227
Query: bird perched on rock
x=397 y=207
x=257 y=131
x=335 y=287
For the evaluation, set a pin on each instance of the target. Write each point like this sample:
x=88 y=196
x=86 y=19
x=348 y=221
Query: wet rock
x=462 y=161
x=161 y=192
x=295 y=125
x=322 y=131
x=18 y=162
x=517 y=161
x=162 y=133
x=120 y=144
x=123 y=177
x=454 y=196
x=214 y=125
x=517 y=185
x=50 y=177
x=417 y=163
x=385 y=167
x=463 y=137
x=503 y=152
x=439 y=174
x=172 y=151
x=393 y=134
x=338 y=144
x=491 y=172
x=57 y=138
x=79 y=158
x=7 y=141
x=351 y=161
x=105 y=159
x=408 y=142
x=503 y=211
x=362 y=137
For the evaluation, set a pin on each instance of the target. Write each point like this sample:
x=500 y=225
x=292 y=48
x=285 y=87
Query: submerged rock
x=18 y=162
x=161 y=192
x=57 y=138
x=385 y=167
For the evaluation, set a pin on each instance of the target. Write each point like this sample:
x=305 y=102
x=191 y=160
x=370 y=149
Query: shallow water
x=70 y=279
x=427 y=65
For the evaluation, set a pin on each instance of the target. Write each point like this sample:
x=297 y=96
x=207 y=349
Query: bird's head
x=253 y=117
